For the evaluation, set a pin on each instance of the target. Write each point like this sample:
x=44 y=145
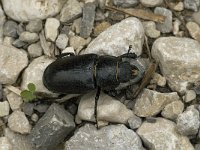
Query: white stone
x=4 y=108
x=26 y=10
x=8 y=40
x=190 y=95
x=29 y=37
x=116 y=39
x=14 y=100
x=151 y=3
x=35 y=50
x=51 y=29
x=62 y=41
x=194 y=30
x=68 y=50
x=150 y=29
x=5 y=144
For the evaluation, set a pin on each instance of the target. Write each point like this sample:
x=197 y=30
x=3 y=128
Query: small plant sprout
x=29 y=94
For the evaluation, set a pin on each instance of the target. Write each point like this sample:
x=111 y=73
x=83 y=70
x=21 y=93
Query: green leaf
x=27 y=95
x=31 y=87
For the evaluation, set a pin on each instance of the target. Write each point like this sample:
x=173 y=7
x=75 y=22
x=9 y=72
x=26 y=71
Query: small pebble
x=150 y=29
x=190 y=95
x=68 y=50
x=76 y=26
x=197 y=147
x=28 y=108
x=78 y=42
x=196 y=17
x=178 y=7
x=14 y=100
x=101 y=27
x=20 y=28
x=100 y=16
x=159 y=80
x=4 y=108
x=41 y=108
x=51 y=29
x=10 y=29
x=151 y=119
x=194 y=30
x=176 y=25
x=8 y=40
x=126 y=3
x=35 y=50
x=72 y=108
x=134 y=122
x=62 y=41
x=151 y=3
x=19 y=43
x=191 y=4
x=34 y=117
x=29 y=37
x=34 y=26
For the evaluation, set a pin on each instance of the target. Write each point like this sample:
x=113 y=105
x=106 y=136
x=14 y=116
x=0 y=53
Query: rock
x=34 y=72
x=68 y=50
x=172 y=110
x=188 y=122
x=72 y=108
x=178 y=6
x=70 y=11
x=150 y=29
x=14 y=100
x=41 y=108
x=78 y=42
x=51 y=29
x=117 y=42
x=134 y=122
x=108 y=109
x=25 y=11
x=35 y=50
x=28 y=108
x=197 y=146
x=19 y=43
x=10 y=29
x=34 y=117
x=126 y=3
x=194 y=30
x=99 y=28
x=87 y=22
x=162 y=135
x=100 y=16
x=151 y=3
x=2 y=21
x=76 y=26
x=12 y=62
x=179 y=61
x=159 y=80
x=150 y=103
x=4 y=108
x=191 y=4
x=29 y=37
x=8 y=40
x=34 y=26
x=176 y=27
x=165 y=27
x=190 y=95
x=196 y=17
x=21 y=28
x=62 y=41
x=109 y=137
x=18 y=122
x=66 y=29
x=5 y=144
x=52 y=128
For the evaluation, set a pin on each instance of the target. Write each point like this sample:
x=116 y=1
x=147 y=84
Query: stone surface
x=162 y=135
x=19 y=43
x=10 y=29
x=108 y=109
x=126 y=3
x=8 y=40
x=62 y=41
x=5 y=144
x=52 y=128
x=35 y=50
x=14 y=100
x=24 y=11
x=172 y=110
x=12 y=62
x=150 y=103
x=176 y=27
x=165 y=27
x=51 y=29
x=4 y=108
x=196 y=17
x=150 y=29
x=99 y=28
x=34 y=117
x=18 y=122
x=76 y=26
x=29 y=37
x=78 y=42
x=70 y=11
x=190 y=95
x=159 y=80
x=151 y=3
x=117 y=38
x=179 y=61
x=41 y=108
x=188 y=122
x=28 y=108
x=178 y=6
x=2 y=21
x=107 y=138
x=134 y=122
x=34 y=26
x=197 y=146
x=192 y=4
x=87 y=22
x=68 y=50
x=34 y=72
x=194 y=30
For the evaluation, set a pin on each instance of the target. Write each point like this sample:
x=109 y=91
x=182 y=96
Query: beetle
x=70 y=74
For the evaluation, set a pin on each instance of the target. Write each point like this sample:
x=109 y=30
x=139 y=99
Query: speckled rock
x=29 y=37
x=159 y=80
x=34 y=26
x=196 y=17
x=117 y=38
x=151 y=3
x=107 y=138
x=134 y=122
x=162 y=135
x=4 y=108
x=14 y=100
x=150 y=29
x=35 y=50
x=62 y=41
x=179 y=61
x=2 y=21
x=51 y=29
x=24 y=11
x=78 y=42
x=192 y=4
x=5 y=144
x=12 y=62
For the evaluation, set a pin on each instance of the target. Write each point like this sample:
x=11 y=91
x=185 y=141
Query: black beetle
x=80 y=74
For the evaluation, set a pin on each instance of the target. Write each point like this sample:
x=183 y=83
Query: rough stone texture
x=18 y=43
x=190 y=95
x=76 y=26
x=108 y=109
x=159 y=80
x=4 y=108
x=134 y=122
x=150 y=29
x=176 y=27
x=99 y=28
x=197 y=146
x=117 y=38
x=12 y=62
x=35 y=50
x=178 y=6
x=29 y=37
x=106 y=138
x=87 y=22
x=78 y=42
x=150 y=103
x=62 y=41
x=196 y=17
x=34 y=72
x=34 y=26
x=151 y=3
x=5 y=144
x=126 y=3
x=8 y=40
x=14 y=100
x=162 y=135
x=2 y=21
x=28 y=108
x=179 y=61
x=172 y=110
x=10 y=29
x=52 y=128
x=188 y=122
x=70 y=11
x=51 y=29
x=26 y=10
x=18 y=122
x=194 y=30
x=192 y=4
x=165 y=27
x=68 y=50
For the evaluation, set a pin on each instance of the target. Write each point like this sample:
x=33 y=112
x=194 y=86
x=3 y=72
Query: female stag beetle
x=71 y=74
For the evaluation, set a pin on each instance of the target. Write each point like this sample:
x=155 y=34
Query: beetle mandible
x=71 y=74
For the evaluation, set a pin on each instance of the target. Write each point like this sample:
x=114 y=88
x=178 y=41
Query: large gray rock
x=162 y=135
x=26 y=10
x=52 y=128
x=107 y=138
x=116 y=39
x=12 y=62
x=178 y=60
x=2 y=21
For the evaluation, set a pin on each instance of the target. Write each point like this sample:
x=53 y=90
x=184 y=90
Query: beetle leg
x=64 y=55
x=95 y=106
